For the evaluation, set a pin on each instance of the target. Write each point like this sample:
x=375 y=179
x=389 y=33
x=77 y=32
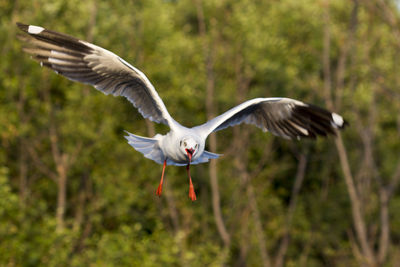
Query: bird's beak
x=189 y=153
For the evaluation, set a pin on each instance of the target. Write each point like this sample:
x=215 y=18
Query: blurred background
x=74 y=193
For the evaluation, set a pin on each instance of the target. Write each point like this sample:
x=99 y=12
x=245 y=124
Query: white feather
x=337 y=119
x=55 y=60
x=32 y=29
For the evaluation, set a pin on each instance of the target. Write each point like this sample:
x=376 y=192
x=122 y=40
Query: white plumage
x=87 y=63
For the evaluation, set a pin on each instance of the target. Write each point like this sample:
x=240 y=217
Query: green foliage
x=112 y=216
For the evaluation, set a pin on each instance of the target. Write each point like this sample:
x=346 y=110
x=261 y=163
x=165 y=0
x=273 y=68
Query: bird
x=87 y=63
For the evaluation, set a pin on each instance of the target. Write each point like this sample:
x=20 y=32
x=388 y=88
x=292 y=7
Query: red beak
x=189 y=153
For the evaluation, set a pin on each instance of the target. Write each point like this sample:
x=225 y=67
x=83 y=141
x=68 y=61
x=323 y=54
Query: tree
x=72 y=192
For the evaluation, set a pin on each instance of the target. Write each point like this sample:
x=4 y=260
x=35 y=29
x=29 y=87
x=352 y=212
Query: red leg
x=192 y=194
x=159 y=189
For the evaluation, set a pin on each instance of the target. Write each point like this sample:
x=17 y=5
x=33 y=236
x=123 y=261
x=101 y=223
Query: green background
x=329 y=202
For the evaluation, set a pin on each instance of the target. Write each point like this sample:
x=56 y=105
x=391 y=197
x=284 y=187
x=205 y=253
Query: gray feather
x=284 y=117
x=87 y=63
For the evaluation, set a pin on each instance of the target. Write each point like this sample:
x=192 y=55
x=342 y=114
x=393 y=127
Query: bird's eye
x=195 y=146
x=180 y=143
x=184 y=144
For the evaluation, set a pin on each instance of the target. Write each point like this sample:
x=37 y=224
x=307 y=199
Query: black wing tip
x=30 y=29
x=318 y=121
x=338 y=121
x=345 y=124
x=22 y=26
x=55 y=38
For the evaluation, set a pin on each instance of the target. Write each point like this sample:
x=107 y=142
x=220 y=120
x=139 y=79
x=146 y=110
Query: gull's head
x=188 y=146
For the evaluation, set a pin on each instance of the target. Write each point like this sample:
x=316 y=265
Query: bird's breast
x=170 y=147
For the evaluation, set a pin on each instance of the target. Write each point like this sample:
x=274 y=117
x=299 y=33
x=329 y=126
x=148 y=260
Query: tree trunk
x=211 y=111
x=241 y=135
x=300 y=174
x=61 y=197
x=23 y=170
x=358 y=219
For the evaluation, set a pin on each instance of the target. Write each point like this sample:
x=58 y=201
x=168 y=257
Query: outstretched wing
x=87 y=63
x=283 y=117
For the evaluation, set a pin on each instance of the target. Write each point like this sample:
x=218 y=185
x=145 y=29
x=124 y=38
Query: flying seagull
x=84 y=62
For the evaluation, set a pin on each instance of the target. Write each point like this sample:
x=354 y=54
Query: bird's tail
x=147 y=146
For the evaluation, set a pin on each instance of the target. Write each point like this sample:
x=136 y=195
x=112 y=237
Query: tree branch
x=358 y=220
x=300 y=174
x=39 y=164
x=210 y=108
